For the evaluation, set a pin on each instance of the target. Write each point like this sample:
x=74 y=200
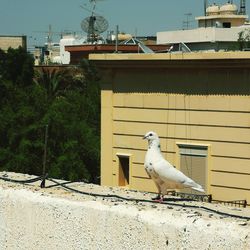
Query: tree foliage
x=244 y=39
x=67 y=100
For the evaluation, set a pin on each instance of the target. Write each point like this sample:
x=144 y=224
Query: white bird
x=162 y=172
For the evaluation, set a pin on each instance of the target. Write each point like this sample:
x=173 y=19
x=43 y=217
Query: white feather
x=161 y=171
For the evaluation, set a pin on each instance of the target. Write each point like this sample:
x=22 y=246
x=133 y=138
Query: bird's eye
x=150 y=134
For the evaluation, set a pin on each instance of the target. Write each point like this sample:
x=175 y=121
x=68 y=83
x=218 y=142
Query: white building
x=218 y=30
x=69 y=40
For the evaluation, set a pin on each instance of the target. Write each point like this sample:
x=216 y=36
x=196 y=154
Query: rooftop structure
x=78 y=52
x=217 y=30
x=225 y=16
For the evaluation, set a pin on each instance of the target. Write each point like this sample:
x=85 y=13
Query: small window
x=193 y=163
x=226 y=25
x=123 y=170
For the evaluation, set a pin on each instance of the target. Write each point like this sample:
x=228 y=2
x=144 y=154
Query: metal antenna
x=205 y=11
x=187 y=22
x=243 y=7
x=205 y=7
x=94 y=25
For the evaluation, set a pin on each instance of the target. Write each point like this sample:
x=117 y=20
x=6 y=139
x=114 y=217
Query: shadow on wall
x=191 y=81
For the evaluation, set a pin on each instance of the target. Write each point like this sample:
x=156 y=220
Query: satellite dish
x=94 y=26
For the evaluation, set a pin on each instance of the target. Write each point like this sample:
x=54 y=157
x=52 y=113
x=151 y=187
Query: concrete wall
x=196 y=99
x=31 y=220
x=13 y=42
x=200 y=35
x=210 y=21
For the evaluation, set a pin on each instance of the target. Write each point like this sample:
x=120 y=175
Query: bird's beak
x=144 y=137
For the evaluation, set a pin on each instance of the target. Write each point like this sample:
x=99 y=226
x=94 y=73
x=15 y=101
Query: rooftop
x=174 y=56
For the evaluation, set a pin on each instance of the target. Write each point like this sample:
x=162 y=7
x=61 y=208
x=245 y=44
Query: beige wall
x=210 y=22
x=13 y=42
x=200 y=101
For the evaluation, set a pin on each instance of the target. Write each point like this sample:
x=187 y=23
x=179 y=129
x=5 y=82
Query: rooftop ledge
x=55 y=218
x=173 y=56
x=222 y=16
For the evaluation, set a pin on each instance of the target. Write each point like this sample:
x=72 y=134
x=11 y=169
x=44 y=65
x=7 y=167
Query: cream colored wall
x=12 y=41
x=187 y=103
x=107 y=131
x=235 y=22
x=186 y=119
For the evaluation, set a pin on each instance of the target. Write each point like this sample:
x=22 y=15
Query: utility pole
x=116 y=38
x=45 y=155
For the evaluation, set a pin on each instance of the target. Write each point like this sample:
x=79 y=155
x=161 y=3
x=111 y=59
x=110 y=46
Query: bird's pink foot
x=158 y=198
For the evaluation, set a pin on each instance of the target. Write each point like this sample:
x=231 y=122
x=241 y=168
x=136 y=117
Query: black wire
x=151 y=201
x=22 y=181
x=59 y=184
x=125 y=198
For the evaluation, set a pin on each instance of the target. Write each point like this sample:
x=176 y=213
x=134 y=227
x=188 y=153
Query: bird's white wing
x=167 y=173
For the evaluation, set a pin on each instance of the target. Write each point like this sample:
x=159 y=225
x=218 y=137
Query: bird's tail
x=198 y=187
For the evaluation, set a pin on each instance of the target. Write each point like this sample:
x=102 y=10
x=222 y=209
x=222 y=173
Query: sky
x=138 y=17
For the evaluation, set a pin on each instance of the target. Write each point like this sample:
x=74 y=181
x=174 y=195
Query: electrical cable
x=151 y=201
x=59 y=184
x=22 y=181
x=126 y=198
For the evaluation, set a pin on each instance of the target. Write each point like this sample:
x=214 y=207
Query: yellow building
x=198 y=103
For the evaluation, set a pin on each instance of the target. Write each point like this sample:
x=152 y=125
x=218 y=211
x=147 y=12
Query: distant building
x=69 y=40
x=131 y=45
x=12 y=42
x=52 y=53
x=218 y=30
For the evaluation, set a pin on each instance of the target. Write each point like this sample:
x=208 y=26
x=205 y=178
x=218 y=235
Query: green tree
x=17 y=66
x=54 y=81
x=67 y=100
x=244 y=39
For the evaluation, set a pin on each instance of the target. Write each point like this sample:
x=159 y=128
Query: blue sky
x=143 y=17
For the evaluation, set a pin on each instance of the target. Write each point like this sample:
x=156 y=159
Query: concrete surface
x=31 y=218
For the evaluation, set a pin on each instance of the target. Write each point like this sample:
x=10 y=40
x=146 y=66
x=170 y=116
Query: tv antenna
x=95 y=24
x=243 y=7
x=186 y=24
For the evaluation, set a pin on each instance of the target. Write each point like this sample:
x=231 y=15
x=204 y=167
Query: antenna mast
x=94 y=25
x=243 y=7
x=205 y=12
x=205 y=7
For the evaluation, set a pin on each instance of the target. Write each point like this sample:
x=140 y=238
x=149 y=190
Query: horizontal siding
x=139 y=171
x=229 y=194
x=221 y=149
x=218 y=148
x=193 y=102
x=138 y=156
x=143 y=184
x=226 y=134
x=230 y=150
x=136 y=142
x=231 y=165
x=230 y=180
x=183 y=117
x=222 y=122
